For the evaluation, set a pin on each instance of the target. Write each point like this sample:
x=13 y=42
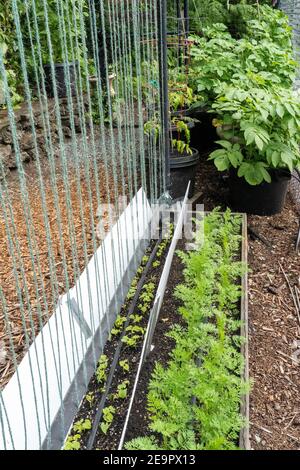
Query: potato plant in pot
x=262 y=57
x=62 y=62
x=260 y=146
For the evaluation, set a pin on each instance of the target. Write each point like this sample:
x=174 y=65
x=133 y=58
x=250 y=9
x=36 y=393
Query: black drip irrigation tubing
x=98 y=415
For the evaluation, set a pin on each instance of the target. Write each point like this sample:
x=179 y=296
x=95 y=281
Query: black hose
x=98 y=416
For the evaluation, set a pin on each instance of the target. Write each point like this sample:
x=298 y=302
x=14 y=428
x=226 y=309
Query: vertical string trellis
x=87 y=72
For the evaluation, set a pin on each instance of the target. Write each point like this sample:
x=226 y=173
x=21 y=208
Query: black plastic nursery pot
x=183 y=170
x=203 y=134
x=65 y=77
x=262 y=199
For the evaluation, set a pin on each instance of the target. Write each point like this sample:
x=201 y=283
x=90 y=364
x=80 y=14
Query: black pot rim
x=184 y=161
x=275 y=173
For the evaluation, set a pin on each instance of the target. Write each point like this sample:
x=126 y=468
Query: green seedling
x=131 y=292
x=131 y=341
x=82 y=425
x=136 y=318
x=118 y=326
x=122 y=390
x=90 y=398
x=125 y=365
x=101 y=375
x=108 y=416
x=156 y=264
x=135 y=329
x=73 y=442
x=145 y=259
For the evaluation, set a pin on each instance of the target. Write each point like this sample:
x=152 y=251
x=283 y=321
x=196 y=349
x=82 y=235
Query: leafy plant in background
x=181 y=96
x=9 y=53
x=194 y=401
x=70 y=13
x=124 y=364
x=233 y=13
x=263 y=132
x=262 y=58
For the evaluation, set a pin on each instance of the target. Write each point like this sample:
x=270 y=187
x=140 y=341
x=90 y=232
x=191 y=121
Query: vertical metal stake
x=164 y=91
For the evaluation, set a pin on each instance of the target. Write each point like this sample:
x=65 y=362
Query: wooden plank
x=244 y=434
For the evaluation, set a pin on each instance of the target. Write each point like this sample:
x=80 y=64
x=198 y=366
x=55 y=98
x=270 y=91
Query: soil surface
x=88 y=409
x=162 y=346
x=274 y=325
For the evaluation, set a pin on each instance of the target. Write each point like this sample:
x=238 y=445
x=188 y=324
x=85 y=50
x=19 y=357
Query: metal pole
x=186 y=28
x=187 y=18
x=178 y=14
x=163 y=71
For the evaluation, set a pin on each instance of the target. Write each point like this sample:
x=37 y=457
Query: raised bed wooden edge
x=245 y=403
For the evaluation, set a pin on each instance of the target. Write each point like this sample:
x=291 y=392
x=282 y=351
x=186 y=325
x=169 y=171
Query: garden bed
x=274 y=329
x=110 y=388
x=144 y=417
x=116 y=407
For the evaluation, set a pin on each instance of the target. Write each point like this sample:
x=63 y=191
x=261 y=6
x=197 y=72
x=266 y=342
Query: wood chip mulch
x=274 y=330
x=39 y=292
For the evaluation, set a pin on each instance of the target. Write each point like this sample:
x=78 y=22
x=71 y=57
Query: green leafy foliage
x=73 y=442
x=101 y=375
x=181 y=96
x=121 y=390
x=194 y=401
x=124 y=364
x=82 y=425
x=118 y=325
x=262 y=57
x=263 y=131
x=90 y=398
x=79 y=428
x=108 y=416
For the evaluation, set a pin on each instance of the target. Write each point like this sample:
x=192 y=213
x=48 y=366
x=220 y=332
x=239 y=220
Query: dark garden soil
x=88 y=409
x=274 y=328
x=162 y=346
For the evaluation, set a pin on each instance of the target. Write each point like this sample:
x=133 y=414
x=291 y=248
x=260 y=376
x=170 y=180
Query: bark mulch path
x=274 y=329
x=41 y=297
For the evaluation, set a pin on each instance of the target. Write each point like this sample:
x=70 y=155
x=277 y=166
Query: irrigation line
x=113 y=367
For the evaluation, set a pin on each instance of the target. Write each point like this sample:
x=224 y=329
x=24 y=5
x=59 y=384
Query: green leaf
x=224 y=143
x=287 y=159
x=280 y=110
x=259 y=142
x=275 y=158
x=222 y=163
